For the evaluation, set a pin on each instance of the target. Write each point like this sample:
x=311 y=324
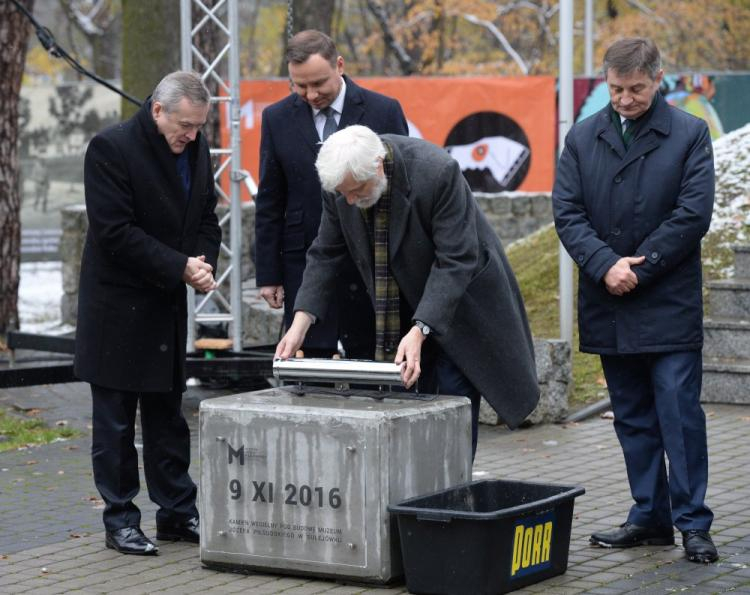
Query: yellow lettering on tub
x=528 y=536
x=547 y=541
x=531 y=546
x=537 y=550
x=517 y=548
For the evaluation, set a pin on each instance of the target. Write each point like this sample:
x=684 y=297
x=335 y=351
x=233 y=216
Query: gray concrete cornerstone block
x=301 y=484
x=555 y=377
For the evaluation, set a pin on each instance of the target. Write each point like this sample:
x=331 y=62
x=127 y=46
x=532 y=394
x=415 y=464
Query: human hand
x=408 y=354
x=295 y=336
x=620 y=279
x=199 y=274
x=273 y=294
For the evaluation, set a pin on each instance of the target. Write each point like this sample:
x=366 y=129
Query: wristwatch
x=422 y=327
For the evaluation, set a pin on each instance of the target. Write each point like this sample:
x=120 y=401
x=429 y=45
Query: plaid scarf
x=387 y=318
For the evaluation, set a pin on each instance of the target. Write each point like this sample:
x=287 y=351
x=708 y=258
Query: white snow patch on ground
x=39 y=293
x=732 y=162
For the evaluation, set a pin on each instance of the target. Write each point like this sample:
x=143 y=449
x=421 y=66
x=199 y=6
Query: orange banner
x=501 y=130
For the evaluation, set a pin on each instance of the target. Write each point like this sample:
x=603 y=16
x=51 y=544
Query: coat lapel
x=197 y=184
x=353 y=224
x=606 y=131
x=353 y=105
x=164 y=157
x=303 y=122
x=400 y=204
x=648 y=139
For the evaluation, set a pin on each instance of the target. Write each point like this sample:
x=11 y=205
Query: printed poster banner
x=500 y=129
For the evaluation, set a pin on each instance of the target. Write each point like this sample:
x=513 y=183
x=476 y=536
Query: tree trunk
x=14 y=29
x=150 y=46
x=308 y=14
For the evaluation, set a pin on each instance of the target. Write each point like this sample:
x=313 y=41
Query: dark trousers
x=451 y=381
x=656 y=403
x=166 y=456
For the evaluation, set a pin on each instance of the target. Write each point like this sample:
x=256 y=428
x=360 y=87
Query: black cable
x=47 y=39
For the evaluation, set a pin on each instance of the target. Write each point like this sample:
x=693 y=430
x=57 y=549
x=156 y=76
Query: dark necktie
x=627 y=132
x=330 y=126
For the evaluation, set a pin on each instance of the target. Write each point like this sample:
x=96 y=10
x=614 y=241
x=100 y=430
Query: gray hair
x=178 y=85
x=355 y=150
x=632 y=54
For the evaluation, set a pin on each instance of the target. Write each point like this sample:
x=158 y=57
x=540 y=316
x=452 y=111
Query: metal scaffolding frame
x=224 y=15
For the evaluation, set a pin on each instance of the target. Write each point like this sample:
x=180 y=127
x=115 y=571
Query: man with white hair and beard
x=447 y=306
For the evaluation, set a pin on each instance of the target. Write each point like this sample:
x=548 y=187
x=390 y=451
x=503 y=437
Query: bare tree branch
x=492 y=28
x=88 y=21
x=404 y=60
x=647 y=11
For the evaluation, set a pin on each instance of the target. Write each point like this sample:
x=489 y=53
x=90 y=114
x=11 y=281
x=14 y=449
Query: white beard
x=377 y=192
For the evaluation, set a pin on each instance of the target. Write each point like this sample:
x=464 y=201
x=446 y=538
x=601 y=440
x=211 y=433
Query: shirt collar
x=338 y=103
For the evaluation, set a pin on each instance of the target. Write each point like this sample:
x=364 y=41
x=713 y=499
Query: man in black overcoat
x=632 y=199
x=288 y=204
x=152 y=229
x=446 y=302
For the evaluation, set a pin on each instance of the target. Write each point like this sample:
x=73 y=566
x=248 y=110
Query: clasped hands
x=621 y=279
x=199 y=274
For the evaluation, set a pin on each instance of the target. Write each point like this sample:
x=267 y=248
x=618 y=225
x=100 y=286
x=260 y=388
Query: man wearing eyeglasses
x=152 y=230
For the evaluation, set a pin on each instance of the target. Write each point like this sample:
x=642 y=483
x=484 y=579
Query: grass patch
x=17 y=431
x=535 y=264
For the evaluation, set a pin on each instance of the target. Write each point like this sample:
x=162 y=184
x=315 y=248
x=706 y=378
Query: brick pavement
x=51 y=539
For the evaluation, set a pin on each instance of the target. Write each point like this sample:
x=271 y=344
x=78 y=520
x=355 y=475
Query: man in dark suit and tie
x=288 y=204
x=632 y=199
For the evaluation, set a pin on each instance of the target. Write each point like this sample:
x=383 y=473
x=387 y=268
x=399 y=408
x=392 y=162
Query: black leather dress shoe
x=188 y=530
x=629 y=535
x=699 y=547
x=130 y=540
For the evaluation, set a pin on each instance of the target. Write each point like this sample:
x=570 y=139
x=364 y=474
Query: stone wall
x=515 y=215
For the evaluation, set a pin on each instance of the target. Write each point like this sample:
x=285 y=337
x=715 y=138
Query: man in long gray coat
x=632 y=200
x=436 y=273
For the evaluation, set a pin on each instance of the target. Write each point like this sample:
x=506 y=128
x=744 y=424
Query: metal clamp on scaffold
x=337 y=371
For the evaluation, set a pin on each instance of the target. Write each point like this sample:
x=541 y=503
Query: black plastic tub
x=485 y=537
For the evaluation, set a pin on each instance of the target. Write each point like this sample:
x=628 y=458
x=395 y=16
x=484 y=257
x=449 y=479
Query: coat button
x=580 y=258
x=654 y=255
x=162 y=347
x=616 y=231
x=618 y=179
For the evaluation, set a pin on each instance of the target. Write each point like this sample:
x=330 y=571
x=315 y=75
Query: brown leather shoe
x=188 y=530
x=699 y=547
x=130 y=540
x=629 y=535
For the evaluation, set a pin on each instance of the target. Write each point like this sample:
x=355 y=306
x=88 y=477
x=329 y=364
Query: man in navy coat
x=632 y=199
x=152 y=229
x=288 y=204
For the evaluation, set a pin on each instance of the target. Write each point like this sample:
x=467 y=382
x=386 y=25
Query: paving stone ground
x=52 y=541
